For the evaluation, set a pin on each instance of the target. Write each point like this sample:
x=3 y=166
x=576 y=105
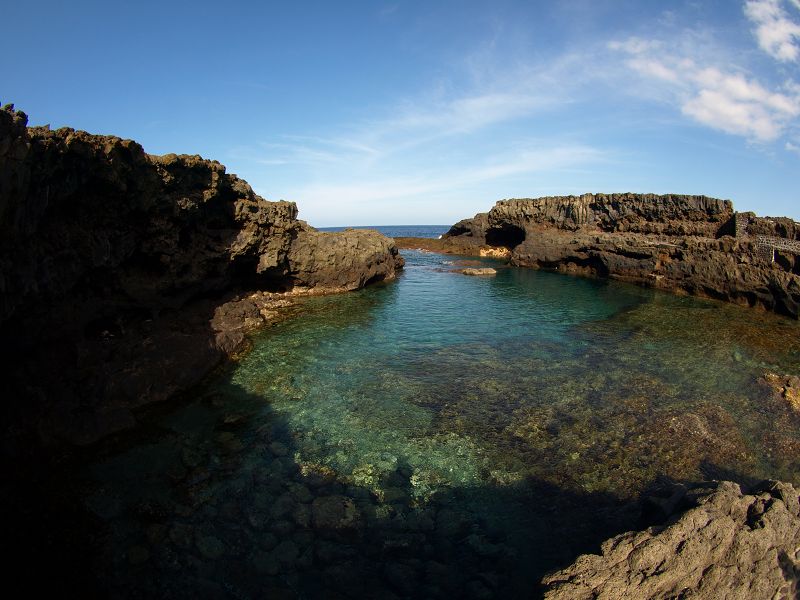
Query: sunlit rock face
x=685 y=244
x=113 y=262
x=728 y=543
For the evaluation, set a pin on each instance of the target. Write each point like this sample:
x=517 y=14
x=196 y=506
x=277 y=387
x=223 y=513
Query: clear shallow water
x=472 y=433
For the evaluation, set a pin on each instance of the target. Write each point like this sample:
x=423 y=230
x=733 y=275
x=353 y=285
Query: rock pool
x=439 y=436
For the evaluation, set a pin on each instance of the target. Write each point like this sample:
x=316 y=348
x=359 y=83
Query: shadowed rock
x=126 y=277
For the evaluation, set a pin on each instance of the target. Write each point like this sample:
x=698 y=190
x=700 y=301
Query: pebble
x=265 y=562
x=257 y=518
x=300 y=492
x=334 y=512
x=402 y=577
x=282 y=528
x=302 y=516
x=209 y=546
x=182 y=535
x=268 y=541
x=477 y=590
x=278 y=449
x=286 y=553
x=283 y=506
x=303 y=539
x=138 y=555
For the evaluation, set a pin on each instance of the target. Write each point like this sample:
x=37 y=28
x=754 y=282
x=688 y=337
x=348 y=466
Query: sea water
x=442 y=436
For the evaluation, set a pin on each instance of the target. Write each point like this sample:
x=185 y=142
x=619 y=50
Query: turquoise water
x=442 y=436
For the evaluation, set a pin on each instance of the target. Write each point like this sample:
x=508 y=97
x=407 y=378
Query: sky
x=427 y=112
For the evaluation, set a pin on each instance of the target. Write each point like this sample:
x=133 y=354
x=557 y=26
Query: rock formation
x=125 y=277
x=721 y=542
x=685 y=244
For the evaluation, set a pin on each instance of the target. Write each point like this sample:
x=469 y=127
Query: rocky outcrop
x=685 y=244
x=116 y=267
x=720 y=542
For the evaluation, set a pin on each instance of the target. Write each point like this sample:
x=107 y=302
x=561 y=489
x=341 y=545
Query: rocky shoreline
x=717 y=541
x=683 y=244
x=125 y=277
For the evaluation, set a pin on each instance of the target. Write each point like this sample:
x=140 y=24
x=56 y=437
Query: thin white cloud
x=415 y=124
x=777 y=33
x=722 y=99
x=792 y=147
x=428 y=183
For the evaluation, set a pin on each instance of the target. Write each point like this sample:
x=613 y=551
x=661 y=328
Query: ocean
x=421 y=231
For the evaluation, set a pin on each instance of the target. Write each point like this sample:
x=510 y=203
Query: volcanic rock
x=727 y=544
x=126 y=277
x=685 y=244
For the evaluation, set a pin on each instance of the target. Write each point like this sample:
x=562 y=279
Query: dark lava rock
x=126 y=277
x=686 y=244
x=728 y=544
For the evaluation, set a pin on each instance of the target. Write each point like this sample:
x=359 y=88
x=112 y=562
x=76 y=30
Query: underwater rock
x=138 y=555
x=335 y=513
x=209 y=546
x=787 y=387
x=478 y=271
x=727 y=543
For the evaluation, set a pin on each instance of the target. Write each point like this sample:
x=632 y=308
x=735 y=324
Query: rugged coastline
x=126 y=277
x=683 y=244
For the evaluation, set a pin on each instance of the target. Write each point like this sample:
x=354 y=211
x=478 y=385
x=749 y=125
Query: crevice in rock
x=506 y=236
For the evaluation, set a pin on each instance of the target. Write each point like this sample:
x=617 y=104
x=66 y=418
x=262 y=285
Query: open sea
x=440 y=436
x=421 y=231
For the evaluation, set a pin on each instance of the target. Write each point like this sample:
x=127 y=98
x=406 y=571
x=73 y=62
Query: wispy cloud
x=437 y=141
x=455 y=179
x=417 y=122
x=726 y=100
x=397 y=193
x=777 y=33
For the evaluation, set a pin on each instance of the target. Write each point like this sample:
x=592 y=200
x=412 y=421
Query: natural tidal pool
x=440 y=436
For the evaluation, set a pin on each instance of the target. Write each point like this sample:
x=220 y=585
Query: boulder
x=478 y=271
x=722 y=542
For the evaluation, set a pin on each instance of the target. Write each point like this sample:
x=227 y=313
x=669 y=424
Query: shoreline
x=691 y=245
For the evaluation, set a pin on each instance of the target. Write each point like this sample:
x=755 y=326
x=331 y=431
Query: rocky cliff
x=685 y=244
x=125 y=277
x=718 y=541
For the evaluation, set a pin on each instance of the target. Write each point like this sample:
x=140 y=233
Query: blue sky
x=427 y=112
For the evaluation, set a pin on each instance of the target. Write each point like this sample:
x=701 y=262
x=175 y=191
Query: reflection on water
x=442 y=436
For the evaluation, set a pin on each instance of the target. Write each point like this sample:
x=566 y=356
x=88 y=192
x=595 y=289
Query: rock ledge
x=728 y=544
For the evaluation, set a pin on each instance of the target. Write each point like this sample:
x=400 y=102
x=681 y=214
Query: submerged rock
x=335 y=513
x=787 y=387
x=728 y=544
x=478 y=271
